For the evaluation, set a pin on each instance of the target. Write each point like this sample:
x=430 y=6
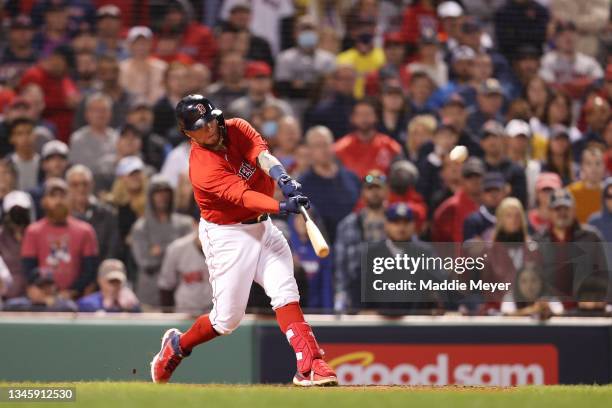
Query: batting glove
x=289 y=186
x=293 y=204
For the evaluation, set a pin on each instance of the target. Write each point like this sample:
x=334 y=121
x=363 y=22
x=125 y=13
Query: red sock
x=290 y=313
x=200 y=332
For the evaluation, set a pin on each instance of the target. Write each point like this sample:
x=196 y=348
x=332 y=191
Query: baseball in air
x=459 y=154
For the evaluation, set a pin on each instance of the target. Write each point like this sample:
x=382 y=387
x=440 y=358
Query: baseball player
x=233 y=175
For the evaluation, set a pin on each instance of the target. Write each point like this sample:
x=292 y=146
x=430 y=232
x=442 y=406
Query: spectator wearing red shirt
x=61 y=94
x=449 y=217
x=417 y=17
x=196 y=40
x=66 y=246
x=366 y=149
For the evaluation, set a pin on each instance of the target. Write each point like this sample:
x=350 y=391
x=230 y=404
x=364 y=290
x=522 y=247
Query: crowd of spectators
x=361 y=100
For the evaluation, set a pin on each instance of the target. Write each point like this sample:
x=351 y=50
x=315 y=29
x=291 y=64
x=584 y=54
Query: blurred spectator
x=41 y=295
x=34 y=102
x=454 y=113
x=107 y=77
x=25 y=159
x=8 y=177
x=129 y=142
x=301 y=69
x=55 y=26
x=153 y=149
x=129 y=197
x=94 y=145
x=559 y=158
x=602 y=220
x=167 y=48
x=61 y=94
x=450 y=174
x=462 y=59
x=449 y=217
x=259 y=80
x=353 y=233
x=332 y=189
x=571 y=252
x=164 y=122
x=114 y=295
x=184 y=280
x=53 y=163
x=231 y=84
x=176 y=164
x=18 y=54
x=85 y=67
x=16 y=216
x=420 y=92
x=66 y=246
x=539 y=217
x=587 y=190
x=394 y=68
x=518 y=138
x=496 y=159
x=481 y=70
x=565 y=67
x=489 y=102
x=529 y=296
x=450 y=14
x=537 y=94
x=520 y=22
x=288 y=136
x=403 y=177
x=141 y=74
x=444 y=139
x=240 y=22
x=419 y=136
x=393 y=112
x=418 y=17
x=86 y=207
x=590 y=18
x=85 y=41
x=151 y=235
x=196 y=40
x=334 y=110
x=318 y=271
x=597 y=114
x=366 y=149
x=108 y=33
x=364 y=56
x=525 y=67
x=477 y=225
x=429 y=58
x=198 y=79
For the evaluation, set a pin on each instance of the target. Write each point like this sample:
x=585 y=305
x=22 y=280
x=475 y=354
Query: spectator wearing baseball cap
x=41 y=295
x=495 y=159
x=53 y=163
x=571 y=252
x=108 y=32
x=478 y=223
x=16 y=216
x=461 y=61
x=489 y=103
x=546 y=183
x=518 y=137
x=450 y=13
x=259 y=93
x=148 y=87
x=18 y=54
x=429 y=58
x=448 y=219
x=61 y=243
x=114 y=295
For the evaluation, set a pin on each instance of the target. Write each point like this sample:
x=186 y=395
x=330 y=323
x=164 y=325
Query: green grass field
x=117 y=395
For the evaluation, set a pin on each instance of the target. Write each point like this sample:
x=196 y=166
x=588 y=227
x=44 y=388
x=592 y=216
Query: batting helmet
x=194 y=111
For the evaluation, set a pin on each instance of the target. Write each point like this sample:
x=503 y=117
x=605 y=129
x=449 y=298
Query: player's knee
x=228 y=324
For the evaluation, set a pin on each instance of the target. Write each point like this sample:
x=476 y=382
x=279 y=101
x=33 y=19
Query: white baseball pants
x=237 y=255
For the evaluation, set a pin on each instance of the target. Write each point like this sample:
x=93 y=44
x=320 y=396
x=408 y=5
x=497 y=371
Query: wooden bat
x=316 y=238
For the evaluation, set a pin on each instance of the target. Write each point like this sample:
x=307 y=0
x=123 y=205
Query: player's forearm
x=270 y=165
x=259 y=202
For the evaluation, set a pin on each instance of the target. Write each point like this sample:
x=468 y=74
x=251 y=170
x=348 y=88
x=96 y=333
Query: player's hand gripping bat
x=314 y=234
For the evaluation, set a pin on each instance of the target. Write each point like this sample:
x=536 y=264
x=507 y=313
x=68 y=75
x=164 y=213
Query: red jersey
x=360 y=157
x=220 y=177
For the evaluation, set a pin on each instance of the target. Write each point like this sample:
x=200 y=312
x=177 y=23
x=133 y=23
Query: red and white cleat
x=320 y=375
x=169 y=357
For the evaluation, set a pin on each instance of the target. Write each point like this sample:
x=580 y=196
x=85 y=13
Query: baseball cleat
x=169 y=357
x=321 y=375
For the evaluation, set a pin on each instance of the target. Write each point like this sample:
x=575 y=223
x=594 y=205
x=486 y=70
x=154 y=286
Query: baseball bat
x=314 y=234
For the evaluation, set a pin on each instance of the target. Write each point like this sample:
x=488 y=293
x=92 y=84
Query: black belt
x=261 y=218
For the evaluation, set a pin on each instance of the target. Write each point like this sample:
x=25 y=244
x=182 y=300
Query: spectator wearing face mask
x=300 y=69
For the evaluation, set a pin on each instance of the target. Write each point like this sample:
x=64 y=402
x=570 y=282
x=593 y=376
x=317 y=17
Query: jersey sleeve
x=251 y=142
